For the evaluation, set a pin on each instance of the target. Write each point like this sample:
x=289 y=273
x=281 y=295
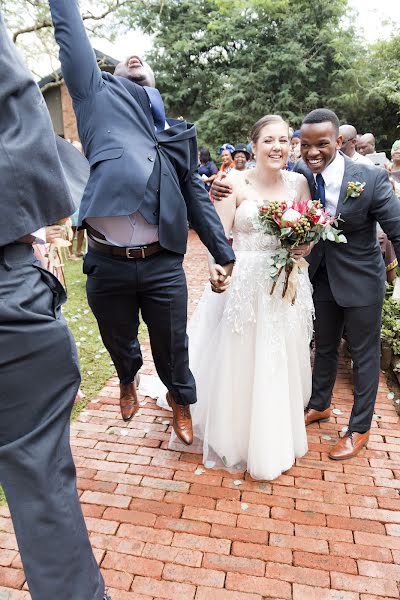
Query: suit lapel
x=351 y=173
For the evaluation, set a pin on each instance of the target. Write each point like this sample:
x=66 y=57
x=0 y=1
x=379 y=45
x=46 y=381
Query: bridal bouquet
x=295 y=223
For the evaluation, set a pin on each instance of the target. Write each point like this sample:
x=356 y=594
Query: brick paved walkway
x=163 y=529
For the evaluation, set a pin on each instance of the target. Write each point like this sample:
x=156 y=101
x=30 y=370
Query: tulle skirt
x=250 y=355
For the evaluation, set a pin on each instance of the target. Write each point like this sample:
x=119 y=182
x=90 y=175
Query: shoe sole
x=319 y=421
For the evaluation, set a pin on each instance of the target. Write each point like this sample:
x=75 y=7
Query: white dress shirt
x=125 y=231
x=333 y=177
x=357 y=157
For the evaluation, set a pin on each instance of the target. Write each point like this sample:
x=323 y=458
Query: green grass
x=95 y=362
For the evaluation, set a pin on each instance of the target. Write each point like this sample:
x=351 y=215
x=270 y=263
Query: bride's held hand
x=220 y=277
x=301 y=251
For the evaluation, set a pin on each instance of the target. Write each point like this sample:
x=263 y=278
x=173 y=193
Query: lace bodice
x=245 y=233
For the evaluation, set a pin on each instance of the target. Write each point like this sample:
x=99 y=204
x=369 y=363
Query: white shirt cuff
x=40 y=236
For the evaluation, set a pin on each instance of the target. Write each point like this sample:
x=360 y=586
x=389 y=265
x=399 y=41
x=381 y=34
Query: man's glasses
x=347 y=141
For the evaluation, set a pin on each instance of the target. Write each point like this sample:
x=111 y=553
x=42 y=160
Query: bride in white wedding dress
x=249 y=350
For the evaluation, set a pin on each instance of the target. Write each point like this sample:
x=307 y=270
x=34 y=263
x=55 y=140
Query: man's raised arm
x=78 y=61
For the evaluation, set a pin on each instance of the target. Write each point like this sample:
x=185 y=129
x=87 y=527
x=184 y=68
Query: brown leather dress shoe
x=313 y=416
x=128 y=400
x=349 y=445
x=182 y=420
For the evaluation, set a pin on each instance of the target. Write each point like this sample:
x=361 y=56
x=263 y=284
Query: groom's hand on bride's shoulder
x=220 y=188
x=220 y=277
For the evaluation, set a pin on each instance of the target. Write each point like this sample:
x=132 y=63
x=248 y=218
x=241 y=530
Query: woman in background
x=208 y=169
x=225 y=153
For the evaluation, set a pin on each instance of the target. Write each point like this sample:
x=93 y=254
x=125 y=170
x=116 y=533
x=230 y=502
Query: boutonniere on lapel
x=354 y=190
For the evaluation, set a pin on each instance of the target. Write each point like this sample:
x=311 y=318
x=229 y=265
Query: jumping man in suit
x=143 y=189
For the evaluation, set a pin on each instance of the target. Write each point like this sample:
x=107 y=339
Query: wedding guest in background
x=251 y=163
x=225 y=153
x=294 y=150
x=366 y=144
x=208 y=169
x=395 y=166
x=349 y=144
x=240 y=157
x=389 y=256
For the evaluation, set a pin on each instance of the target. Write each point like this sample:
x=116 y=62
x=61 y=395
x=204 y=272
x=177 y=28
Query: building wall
x=70 y=128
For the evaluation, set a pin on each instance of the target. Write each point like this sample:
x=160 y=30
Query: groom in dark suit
x=143 y=189
x=348 y=279
x=39 y=372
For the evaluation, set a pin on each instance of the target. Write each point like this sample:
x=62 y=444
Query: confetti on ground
x=390 y=396
x=237 y=482
x=209 y=464
x=244 y=506
x=199 y=471
x=337 y=411
x=326 y=437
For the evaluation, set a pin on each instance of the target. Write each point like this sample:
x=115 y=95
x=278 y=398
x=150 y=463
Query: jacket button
x=150 y=158
x=155 y=213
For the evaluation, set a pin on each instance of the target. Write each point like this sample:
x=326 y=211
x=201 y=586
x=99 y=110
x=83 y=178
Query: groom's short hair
x=322 y=115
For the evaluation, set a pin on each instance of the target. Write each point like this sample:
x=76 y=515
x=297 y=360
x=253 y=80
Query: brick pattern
x=321 y=531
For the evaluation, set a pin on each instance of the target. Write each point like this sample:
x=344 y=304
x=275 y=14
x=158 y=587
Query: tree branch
x=46 y=23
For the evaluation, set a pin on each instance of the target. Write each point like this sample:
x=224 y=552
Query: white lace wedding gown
x=249 y=354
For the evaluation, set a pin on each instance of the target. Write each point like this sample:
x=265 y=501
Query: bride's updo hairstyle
x=261 y=123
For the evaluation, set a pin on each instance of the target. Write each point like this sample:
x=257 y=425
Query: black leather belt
x=136 y=252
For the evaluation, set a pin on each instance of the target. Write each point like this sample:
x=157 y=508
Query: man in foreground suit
x=39 y=373
x=348 y=279
x=142 y=190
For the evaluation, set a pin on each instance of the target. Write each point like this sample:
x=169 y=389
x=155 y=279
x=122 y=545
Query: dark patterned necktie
x=320 y=185
x=157 y=107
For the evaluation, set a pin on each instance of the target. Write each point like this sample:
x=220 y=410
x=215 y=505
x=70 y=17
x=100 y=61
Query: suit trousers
x=118 y=289
x=363 y=327
x=39 y=377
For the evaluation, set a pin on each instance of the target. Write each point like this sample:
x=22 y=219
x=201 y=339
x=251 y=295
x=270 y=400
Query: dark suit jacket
x=117 y=132
x=356 y=270
x=34 y=190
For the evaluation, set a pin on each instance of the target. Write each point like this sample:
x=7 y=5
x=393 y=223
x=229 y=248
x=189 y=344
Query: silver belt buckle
x=129 y=250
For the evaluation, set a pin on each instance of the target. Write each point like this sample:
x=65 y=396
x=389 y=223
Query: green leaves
x=225 y=63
